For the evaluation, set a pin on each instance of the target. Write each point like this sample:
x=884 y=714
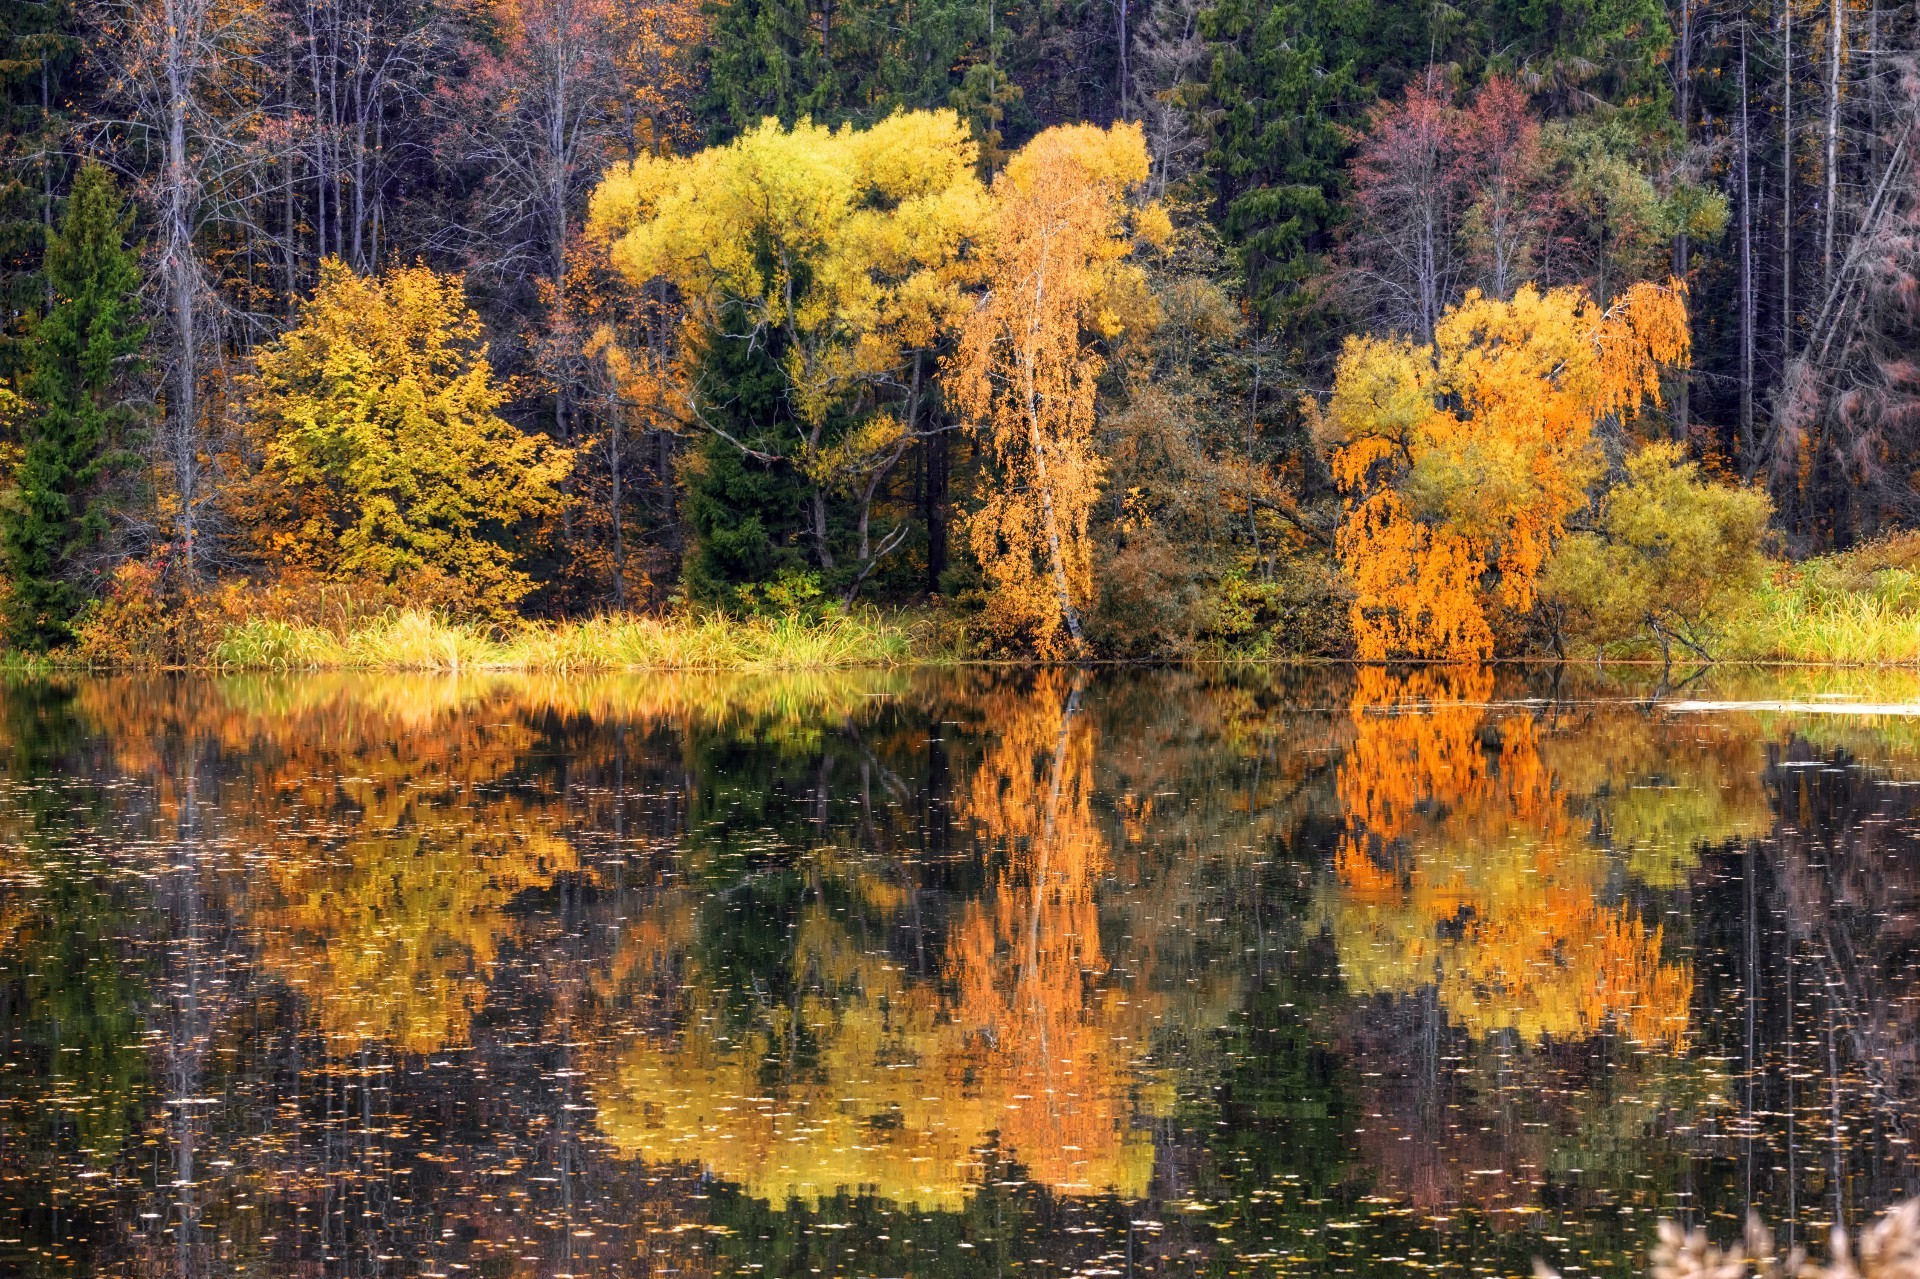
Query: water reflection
x=976 y=971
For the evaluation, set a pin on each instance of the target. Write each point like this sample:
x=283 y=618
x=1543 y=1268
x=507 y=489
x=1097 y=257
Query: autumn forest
x=1242 y=328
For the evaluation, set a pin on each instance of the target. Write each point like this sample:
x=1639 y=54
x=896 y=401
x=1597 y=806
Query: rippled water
x=961 y=973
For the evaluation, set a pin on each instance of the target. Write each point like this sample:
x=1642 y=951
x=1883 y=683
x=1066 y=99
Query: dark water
x=977 y=973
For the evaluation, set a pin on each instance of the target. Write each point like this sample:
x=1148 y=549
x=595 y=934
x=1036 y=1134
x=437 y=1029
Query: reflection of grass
x=415 y=640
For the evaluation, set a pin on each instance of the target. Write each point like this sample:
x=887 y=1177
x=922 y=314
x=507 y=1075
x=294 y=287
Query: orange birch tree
x=1462 y=460
x=1029 y=362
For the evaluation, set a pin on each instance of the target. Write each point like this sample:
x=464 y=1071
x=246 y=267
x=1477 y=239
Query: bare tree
x=1170 y=60
x=183 y=73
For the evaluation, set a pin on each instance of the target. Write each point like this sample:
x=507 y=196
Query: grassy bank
x=1861 y=607
x=417 y=641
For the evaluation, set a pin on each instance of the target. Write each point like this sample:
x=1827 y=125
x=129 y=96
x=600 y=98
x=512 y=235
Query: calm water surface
x=949 y=974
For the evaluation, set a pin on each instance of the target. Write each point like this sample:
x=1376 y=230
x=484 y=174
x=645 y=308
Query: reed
x=414 y=640
x=1888 y=1249
x=1823 y=614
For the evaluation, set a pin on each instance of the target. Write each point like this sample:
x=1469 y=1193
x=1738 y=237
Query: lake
x=951 y=973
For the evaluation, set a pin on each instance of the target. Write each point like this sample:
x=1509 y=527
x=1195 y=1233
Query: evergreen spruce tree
x=748 y=518
x=74 y=431
x=833 y=61
x=1285 y=89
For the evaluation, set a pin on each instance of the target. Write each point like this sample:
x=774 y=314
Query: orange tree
x=1461 y=460
x=1029 y=360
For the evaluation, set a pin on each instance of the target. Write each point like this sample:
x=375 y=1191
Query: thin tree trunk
x=319 y=135
x=289 y=251
x=1786 y=183
x=616 y=453
x=1747 y=460
x=1836 y=38
x=181 y=273
x=1683 y=85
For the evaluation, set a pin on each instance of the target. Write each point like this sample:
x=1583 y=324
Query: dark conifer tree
x=75 y=429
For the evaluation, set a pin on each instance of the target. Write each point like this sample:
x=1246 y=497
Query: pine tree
x=75 y=432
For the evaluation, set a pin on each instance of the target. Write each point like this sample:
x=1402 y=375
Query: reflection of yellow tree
x=901 y=1084
x=398 y=837
x=392 y=933
x=395 y=842
x=1459 y=868
x=398 y=844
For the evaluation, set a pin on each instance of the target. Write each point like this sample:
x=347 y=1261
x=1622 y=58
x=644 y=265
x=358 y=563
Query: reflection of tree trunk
x=1038 y=882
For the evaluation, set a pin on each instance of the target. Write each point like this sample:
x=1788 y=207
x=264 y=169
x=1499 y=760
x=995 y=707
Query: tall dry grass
x=413 y=640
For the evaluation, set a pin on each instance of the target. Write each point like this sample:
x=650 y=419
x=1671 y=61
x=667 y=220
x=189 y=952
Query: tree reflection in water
x=969 y=971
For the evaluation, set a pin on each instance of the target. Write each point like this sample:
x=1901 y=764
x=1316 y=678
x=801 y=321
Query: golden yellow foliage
x=383 y=455
x=1028 y=363
x=1462 y=460
x=849 y=243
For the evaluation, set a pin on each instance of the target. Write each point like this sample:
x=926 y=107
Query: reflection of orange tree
x=902 y=1088
x=1459 y=869
x=1027 y=961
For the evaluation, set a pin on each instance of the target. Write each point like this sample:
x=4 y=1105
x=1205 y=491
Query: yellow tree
x=384 y=458
x=841 y=253
x=1029 y=360
x=1462 y=460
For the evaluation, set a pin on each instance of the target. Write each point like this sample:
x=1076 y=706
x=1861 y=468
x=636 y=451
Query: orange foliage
x=1462 y=460
x=1025 y=1047
x=1460 y=868
x=1027 y=367
x=1026 y=958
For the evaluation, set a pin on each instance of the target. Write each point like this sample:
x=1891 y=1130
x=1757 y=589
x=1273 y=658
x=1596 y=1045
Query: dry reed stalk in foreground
x=1888 y=1249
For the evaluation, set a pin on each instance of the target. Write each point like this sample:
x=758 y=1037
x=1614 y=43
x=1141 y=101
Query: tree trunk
x=181 y=274
x=616 y=453
x=1683 y=85
x=1836 y=37
x=1745 y=160
x=1786 y=182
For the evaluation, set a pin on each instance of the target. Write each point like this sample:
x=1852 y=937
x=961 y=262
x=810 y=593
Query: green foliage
x=1286 y=79
x=833 y=62
x=37 y=49
x=1579 y=51
x=75 y=433
x=747 y=517
x=1672 y=554
x=1616 y=222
